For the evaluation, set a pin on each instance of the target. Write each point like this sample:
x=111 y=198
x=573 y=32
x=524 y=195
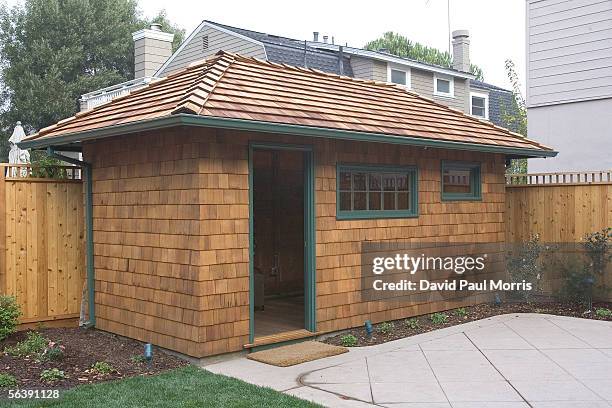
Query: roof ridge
x=198 y=93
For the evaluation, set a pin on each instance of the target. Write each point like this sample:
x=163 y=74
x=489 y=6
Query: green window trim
x=474 y=168
x=412 y=189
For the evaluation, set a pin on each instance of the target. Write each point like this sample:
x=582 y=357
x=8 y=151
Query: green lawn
x=183 y=387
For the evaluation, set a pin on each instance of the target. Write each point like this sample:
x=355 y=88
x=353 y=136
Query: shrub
x=413 y=323
x=438 y=318
x=348 y=340
x=138 y=358
x=386 y=327
x=460 y=312
x=523 y=265
x=9 y=315
x=33 y=345
x=102 y=367
x=53 y=351
x=7 y=380
x=52 y=375
x=603 y=312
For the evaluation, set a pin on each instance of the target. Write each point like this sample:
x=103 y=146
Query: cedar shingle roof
x=232 y=86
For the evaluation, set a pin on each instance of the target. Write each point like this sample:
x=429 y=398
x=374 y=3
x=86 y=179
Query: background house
x=569 y=82
x=455 y=87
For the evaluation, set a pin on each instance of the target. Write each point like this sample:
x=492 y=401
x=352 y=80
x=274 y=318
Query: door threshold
x=280 y=338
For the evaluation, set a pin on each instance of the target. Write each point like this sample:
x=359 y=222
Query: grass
x=184 y=387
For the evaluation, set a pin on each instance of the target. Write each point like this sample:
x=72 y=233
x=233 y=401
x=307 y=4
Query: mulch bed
x=83 y=348
x=402 y=328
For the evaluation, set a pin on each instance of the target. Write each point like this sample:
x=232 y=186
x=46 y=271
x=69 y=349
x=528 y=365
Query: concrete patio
x=507 y=361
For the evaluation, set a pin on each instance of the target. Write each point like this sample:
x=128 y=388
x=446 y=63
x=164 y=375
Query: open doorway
x=279 y=220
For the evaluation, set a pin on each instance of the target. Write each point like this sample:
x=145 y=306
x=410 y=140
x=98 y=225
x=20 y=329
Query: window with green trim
x=365 y=191
x=461 y=181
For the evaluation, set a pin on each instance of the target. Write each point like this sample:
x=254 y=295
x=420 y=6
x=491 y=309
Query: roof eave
x=270 y=127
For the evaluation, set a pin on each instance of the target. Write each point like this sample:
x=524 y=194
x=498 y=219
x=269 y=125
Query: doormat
x=298 y=353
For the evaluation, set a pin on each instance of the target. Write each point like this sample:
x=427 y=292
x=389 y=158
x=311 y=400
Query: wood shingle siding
x=171 y=233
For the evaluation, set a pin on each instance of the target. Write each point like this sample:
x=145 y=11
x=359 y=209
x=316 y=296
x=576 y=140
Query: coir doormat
x=298 y=353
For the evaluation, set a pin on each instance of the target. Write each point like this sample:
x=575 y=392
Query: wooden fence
x=42 y=240
x=560 y=207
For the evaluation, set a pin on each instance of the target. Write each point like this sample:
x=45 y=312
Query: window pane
x=389 y=201
x=403 y=200
x=398 y=77
x=345 y=201
x=375 y=183
x=478 y=102
x=389 y=182
x=345 y=180
x=359 y=202
x=359 y=181
x=456 y=181
x=402 y=182
x=478 y=112
x=375 y=199
x=443 y=85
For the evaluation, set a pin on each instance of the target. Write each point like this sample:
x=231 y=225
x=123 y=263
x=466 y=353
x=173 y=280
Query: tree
x=53 y=51
x=515 y=115
x=401 y=46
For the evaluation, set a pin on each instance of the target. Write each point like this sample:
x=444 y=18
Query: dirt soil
x=402 y=328
x=83 y=348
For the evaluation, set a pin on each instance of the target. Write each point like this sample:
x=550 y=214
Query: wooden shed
x=230 y=200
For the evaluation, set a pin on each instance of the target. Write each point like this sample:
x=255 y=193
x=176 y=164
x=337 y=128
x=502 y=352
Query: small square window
x=478 y=105
x=398 y=77
x=460 y=181
x=443 y=85
x=368 y=191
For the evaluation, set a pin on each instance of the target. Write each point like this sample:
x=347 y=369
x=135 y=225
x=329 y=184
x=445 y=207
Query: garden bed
x=398 y=329
x=81 y=349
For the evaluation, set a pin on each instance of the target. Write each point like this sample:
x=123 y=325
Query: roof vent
x=325 y=39
x=315 y=36
x=155 y=26
x=205 y=42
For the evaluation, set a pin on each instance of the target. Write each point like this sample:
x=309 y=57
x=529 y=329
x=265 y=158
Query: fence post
x=2 y=230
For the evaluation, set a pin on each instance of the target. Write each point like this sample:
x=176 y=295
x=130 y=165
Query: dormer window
x=398 y=75
x=444 y=86
x=479 y=105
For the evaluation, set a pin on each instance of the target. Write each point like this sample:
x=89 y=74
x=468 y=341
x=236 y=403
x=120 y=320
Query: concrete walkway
x=508 y=361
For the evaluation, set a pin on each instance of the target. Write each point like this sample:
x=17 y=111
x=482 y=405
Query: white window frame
x=390 y=67
x=451 y=94
x=485 y=96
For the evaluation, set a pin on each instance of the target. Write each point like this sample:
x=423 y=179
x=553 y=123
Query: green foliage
x=348 y=340
x=386 y=327
x=524 y=265
x=102 y=367
x=514 y=116
x=7 y=380
x=52 y=352
x=603 y=312
x=138 y=359
x=52 y=375
x=401 y=46
x=460 y=312
x=44 y=166
x=53 y=51
x=9 y=315
x=413 y=323
x=34 y=345
x=438 y=318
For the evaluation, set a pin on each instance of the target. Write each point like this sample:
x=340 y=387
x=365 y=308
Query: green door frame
x=310 y=320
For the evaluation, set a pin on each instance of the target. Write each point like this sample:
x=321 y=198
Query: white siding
x=569 y=51
x=217 y=40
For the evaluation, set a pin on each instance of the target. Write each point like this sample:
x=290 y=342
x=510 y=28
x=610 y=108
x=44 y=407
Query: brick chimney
x=152 y=47
x=461 y=50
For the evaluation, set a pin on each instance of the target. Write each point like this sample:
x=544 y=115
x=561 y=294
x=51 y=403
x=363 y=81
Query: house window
x=461 y=181
x=398 y=75
x=443 y=86
x=479 y=105
x=376 y=192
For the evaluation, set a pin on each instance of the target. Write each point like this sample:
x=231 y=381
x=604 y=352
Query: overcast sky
x=497 y=28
